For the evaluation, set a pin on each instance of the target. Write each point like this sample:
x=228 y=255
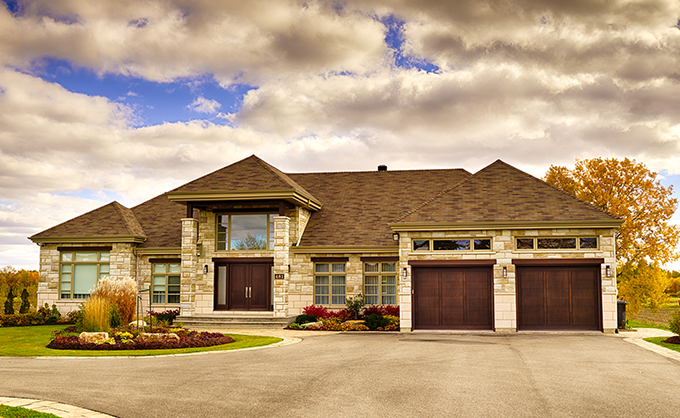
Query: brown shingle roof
x=246 y=175
x=502 y=193
x=161 y=220
x=358 y=205
x=112 y=219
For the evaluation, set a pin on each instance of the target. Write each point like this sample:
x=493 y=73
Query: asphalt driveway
x=349 y=374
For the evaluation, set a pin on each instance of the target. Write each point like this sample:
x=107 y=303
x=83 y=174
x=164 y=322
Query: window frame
x=71 y=265
x=577 y=239
x=227 y=242
x=381 y=274
x=330 y=285
x=430 y=244
x=166 y=274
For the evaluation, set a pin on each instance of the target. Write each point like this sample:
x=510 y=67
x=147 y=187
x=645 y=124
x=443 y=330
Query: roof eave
x=468 y=226
x=289 y=195
x=136 y=239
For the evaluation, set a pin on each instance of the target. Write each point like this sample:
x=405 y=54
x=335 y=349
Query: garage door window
x=380 y=283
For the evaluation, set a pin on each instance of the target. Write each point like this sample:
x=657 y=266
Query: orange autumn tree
x=629 y=190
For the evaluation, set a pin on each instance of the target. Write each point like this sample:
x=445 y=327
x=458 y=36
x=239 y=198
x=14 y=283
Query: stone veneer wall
x=301 y=282
x=505 y=307
x=122 y=263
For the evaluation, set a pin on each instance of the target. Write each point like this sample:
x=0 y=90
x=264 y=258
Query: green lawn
x=31 y=342
x=658 y=341
x=18 y=412
x=638 y=324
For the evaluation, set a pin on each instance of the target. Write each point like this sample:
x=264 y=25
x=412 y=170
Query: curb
x=58 y=409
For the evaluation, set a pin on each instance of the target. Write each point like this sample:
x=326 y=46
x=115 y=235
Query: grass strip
x=636 y=324
x=18 y=412
x=31 y=342
x=659 y=341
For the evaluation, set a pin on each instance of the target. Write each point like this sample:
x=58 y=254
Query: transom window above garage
x=556 y=243
x=454 y=244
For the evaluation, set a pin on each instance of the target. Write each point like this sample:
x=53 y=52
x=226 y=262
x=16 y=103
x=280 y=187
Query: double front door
x=243 y=286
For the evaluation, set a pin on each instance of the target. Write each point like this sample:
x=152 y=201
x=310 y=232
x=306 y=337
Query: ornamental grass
x=121 y=291
x=96 y=314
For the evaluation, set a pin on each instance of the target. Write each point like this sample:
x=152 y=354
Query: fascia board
x=349 y=249
x=290 y=195
x=468 y=226
x=95 y=239
x=158 y=251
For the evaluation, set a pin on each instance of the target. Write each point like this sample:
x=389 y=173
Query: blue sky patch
x=394 y=38
x=152 y=102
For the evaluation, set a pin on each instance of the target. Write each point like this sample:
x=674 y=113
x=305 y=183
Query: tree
x=629 y=190
x=642 y=285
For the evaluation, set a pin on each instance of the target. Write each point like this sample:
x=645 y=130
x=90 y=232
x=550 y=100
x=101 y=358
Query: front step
x=234 y=321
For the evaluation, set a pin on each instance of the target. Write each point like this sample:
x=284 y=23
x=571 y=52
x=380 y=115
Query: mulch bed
x=672 y=340
x=190 y=340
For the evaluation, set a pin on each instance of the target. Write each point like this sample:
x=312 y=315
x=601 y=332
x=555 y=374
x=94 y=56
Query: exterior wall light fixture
x=395 y=236
x=205 y=269
x=505 y=272
x=608 y=270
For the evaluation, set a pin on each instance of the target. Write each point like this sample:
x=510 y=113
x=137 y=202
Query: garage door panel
x=461 y=298
x=565 y=297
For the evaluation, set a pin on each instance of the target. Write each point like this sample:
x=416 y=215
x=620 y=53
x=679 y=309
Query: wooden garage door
x=452 y=298
x=558 y=298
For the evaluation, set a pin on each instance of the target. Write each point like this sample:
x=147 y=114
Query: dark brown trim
x=246 y=210
x=233 y=260
x=105 y=248
x=329 y=259
x=451 y=263
x=380 y=258
x=165 y=260
x=557 y=261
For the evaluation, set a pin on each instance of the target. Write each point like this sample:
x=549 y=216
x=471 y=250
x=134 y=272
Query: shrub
x=355 y=306
x=377 y=321
x=316 y=311
x=25 y=303
x=166 y=317
x=96 y=315
x=121 y=291
x=674 y=324
x=76 y=317
x=9 y=303
x=382 y=310
x=305 y=318
x=114 y=316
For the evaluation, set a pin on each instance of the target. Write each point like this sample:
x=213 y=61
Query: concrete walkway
x=58 y=409
x=638 y=335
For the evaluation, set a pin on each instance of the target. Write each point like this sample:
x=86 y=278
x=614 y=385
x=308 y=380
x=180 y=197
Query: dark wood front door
x=452 y=298
x=243 y=286
x=560 y=297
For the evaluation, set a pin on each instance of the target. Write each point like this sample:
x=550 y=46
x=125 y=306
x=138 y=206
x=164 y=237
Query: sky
x=126 y=99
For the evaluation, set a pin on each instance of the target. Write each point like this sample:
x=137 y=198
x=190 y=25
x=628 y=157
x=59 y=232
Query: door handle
x=246 y=293
x=250 y=293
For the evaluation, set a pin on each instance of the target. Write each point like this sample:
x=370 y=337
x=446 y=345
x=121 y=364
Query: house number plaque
x=278 y=276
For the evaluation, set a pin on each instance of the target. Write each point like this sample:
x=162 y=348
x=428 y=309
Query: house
x=495 y=250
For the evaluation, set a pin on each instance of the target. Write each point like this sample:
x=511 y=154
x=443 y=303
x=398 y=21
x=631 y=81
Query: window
x=380 y=283
x=166 y=281
x=552 y=243
x=80 y=272
x=466 y=244
x=329 y=284
x=248 y=231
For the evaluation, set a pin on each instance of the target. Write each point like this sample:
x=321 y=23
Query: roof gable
x=112 y=220
x=502 y=193
x=250 y=178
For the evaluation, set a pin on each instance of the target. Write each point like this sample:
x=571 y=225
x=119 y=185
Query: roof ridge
x=430 y=200
x=381 y=172
x=127 y=220
x=552 y=186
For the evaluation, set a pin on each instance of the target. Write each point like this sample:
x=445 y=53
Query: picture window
x=80 y=271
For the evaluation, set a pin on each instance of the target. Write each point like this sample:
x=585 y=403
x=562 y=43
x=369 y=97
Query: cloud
x=203 y=105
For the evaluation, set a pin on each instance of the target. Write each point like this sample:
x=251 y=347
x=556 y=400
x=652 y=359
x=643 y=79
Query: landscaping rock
x=311 y=324
x=354 y=324
x=157 y=337
x=93 y=337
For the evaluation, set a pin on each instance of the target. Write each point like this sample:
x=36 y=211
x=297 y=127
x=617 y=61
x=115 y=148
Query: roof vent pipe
x=382 y=168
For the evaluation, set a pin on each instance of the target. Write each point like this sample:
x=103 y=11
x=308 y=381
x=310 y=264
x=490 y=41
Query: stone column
x=281 y=262
x=189 y=261
x=405 y=284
